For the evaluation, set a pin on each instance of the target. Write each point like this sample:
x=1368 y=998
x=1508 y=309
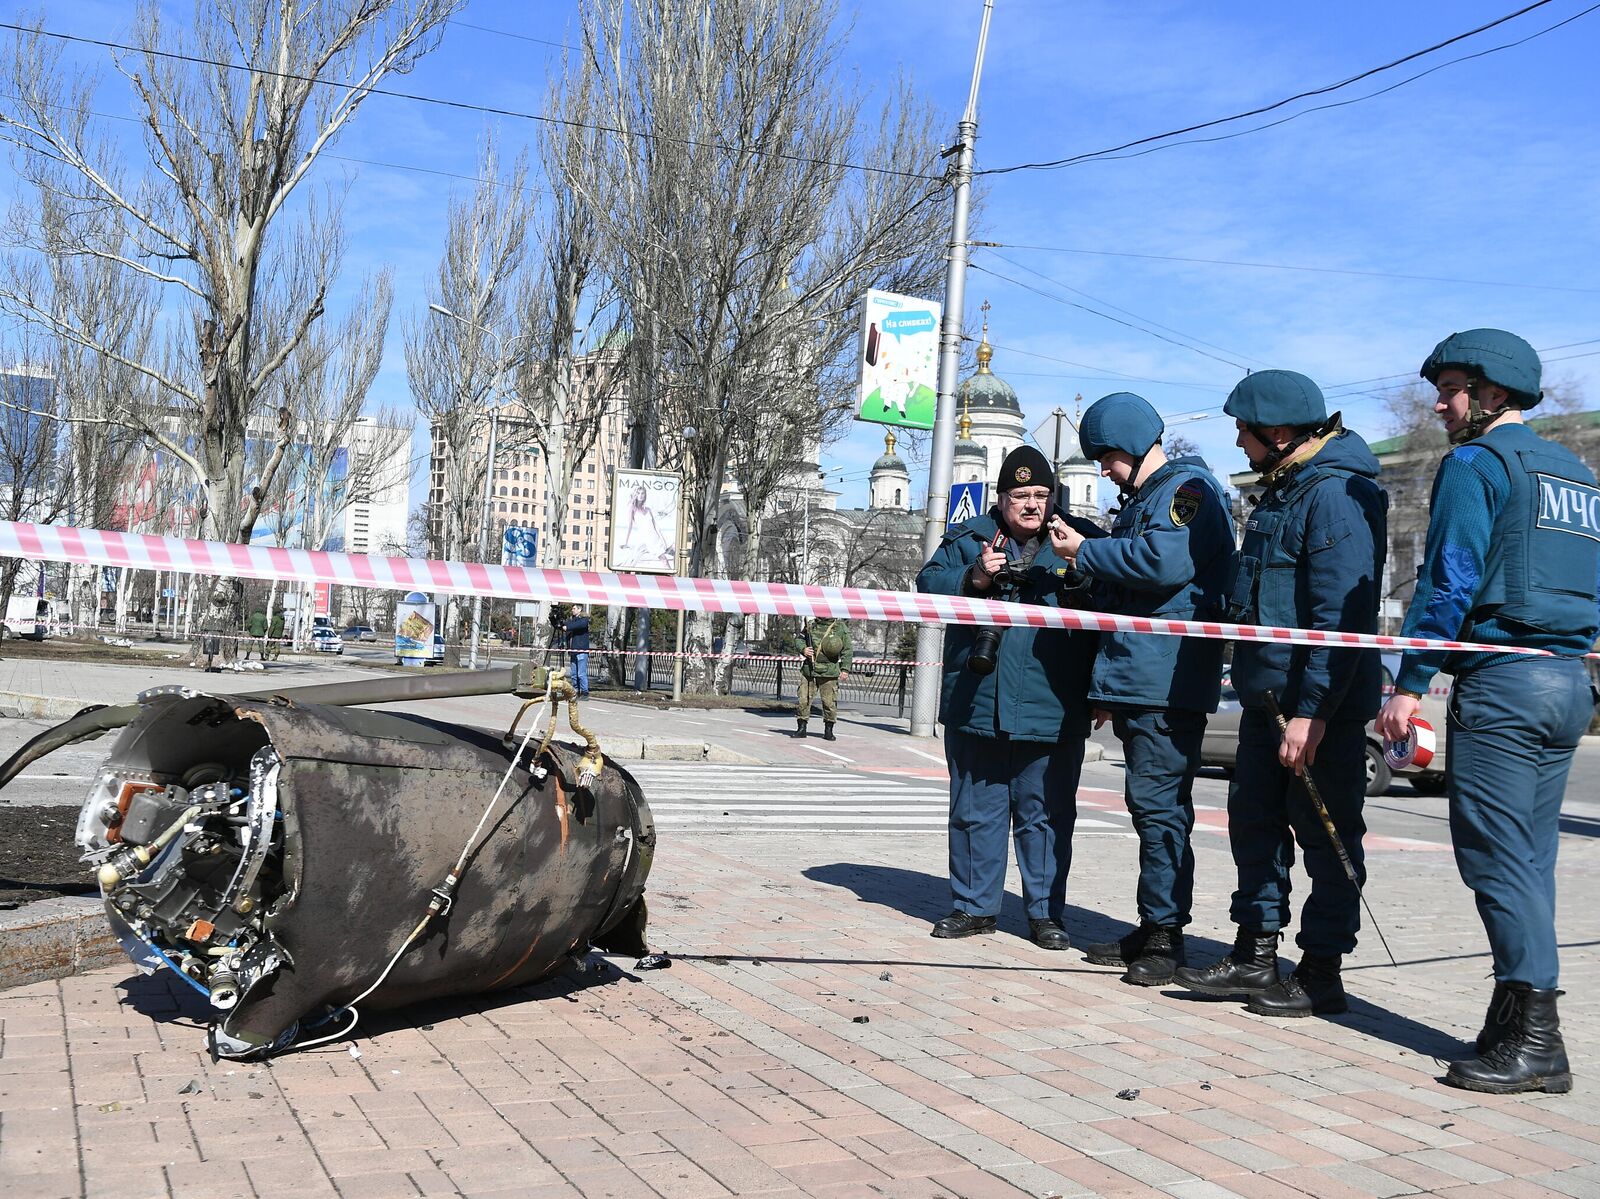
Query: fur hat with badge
x=1024 y=467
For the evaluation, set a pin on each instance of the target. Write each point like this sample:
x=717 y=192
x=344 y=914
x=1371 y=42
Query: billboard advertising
x=644 y=521
x=899 y=360
x=519 y=546
x=416 y=621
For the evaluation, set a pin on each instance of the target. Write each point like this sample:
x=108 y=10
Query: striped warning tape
x=96 y=547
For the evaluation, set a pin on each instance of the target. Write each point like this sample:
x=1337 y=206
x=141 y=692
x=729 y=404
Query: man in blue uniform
x=1312 y=558
x=1511 y=558
x=1014 y=733
x=1170 y=554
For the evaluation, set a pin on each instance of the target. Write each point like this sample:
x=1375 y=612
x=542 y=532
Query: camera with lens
x=986 y=646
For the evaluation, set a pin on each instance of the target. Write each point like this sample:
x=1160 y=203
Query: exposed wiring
x=438 y=906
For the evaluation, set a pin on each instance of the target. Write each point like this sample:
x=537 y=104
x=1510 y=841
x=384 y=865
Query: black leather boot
x=1499 y=1019
x=1120 y=953
x=827 y=731
x=1314 y=989
x=800 y=728
x=1248 y=969
x=1529 y=1057
x=1159 y=960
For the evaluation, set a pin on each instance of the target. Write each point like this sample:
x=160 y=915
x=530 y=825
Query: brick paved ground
x=983 y=1067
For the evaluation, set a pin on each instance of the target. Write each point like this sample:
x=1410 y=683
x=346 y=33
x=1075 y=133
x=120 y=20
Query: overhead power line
x=1188 y=337
x=462 y=105
x=1326 y=89
x=1285 y=266
x=1116 y=320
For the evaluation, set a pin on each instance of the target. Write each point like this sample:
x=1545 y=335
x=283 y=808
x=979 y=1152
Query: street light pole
x=483 y=534
x=488 y=474
x=930 y=637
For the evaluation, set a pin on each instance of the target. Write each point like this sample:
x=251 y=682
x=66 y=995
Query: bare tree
x=458 y=359
x=739 y=244
x=236 y=108
x=1176 y=445
x=35 y=474
x=562 y=284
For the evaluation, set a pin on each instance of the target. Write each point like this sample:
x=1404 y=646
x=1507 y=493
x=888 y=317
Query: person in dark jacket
x=1170 y=555
x=1511 y=559
x=577 y=631
x=1312 y=558
x=1013 y=735
x=275 y=633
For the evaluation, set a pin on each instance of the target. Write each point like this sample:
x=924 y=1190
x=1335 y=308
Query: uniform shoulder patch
x=1186 y=502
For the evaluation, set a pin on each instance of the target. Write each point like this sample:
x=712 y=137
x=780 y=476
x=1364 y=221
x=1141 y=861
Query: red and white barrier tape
x=56 y=543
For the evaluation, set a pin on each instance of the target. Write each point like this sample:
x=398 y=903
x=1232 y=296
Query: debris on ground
x=1128 y=1093
x=861 y=1020
x=654 y=961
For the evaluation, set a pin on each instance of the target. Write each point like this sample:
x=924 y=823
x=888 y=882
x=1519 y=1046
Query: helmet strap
x=1478 y=418
x=1275 y=459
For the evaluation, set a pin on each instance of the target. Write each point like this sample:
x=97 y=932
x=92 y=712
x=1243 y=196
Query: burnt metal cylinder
x=374 y=809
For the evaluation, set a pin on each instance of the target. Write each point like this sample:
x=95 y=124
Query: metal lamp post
x=488 y=474
x=925 y=695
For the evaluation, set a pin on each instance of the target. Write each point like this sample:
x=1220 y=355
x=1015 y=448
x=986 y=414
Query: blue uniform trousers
x=1513 y=728
x=1161 y=749
x=1028 y=787
x=580 y=673
x=1269 y=811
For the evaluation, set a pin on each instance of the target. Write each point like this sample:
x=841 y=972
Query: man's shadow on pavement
x=927 y=897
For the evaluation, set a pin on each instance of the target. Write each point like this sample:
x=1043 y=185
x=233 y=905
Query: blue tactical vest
x=1540 y=569
x=1282 y=534
x=1141 y=670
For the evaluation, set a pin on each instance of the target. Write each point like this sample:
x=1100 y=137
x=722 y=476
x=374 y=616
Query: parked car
x=326 y=641
x=1222 y=735
x=358 y=632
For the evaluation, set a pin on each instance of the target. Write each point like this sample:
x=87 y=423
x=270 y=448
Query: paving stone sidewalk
x=811 y=1039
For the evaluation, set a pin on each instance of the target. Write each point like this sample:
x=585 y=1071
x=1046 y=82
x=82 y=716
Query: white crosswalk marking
x=723 y=797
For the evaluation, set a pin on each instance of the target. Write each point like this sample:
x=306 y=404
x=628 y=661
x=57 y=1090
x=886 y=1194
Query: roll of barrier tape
x=1416 y=750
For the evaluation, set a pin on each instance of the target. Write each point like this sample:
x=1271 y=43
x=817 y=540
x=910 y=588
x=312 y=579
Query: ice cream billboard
x=899 y=360
x=415 y=623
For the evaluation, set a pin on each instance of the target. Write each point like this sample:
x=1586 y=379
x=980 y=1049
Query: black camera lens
x=985 y=650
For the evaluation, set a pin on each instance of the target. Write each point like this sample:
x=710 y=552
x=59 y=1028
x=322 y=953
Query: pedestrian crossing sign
x=966 y=503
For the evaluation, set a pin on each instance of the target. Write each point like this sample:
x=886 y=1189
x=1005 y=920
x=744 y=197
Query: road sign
x=966 y=503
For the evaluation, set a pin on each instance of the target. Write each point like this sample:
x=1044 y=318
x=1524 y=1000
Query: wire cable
x=463 y=105
x=1125 y=312
x=1324 y=90
x=1038 y=291
x=1222 y=137
x=1284 y=266
x=427 y=918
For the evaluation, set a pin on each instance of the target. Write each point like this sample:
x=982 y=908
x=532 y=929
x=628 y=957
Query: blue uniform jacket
x=1511 y=557
x=1312 y=558
x=1170 y=554
x=1038 y=691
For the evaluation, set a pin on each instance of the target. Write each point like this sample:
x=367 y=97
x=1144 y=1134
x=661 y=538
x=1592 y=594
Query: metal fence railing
x=870 y=684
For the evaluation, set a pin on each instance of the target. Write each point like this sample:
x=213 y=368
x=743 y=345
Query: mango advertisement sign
x=899 y=360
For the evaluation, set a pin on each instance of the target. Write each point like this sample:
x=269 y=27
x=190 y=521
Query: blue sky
x=1484 y=172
